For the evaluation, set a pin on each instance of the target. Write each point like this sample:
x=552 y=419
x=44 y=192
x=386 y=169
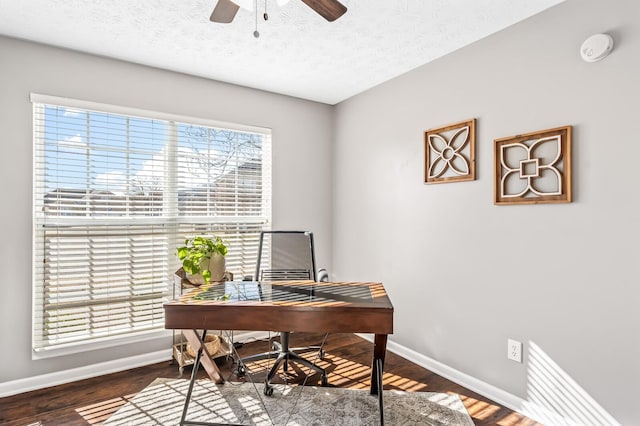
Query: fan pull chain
x=266 y=15
x=256 y=33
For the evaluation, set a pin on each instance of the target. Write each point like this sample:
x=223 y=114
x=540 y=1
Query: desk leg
x=377 y=367
x=194 y=374
x=209 y=365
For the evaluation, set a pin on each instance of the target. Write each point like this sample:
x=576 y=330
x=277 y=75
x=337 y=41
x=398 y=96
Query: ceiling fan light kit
x=226 y=10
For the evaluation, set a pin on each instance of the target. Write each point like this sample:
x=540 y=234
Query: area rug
x=161 y=403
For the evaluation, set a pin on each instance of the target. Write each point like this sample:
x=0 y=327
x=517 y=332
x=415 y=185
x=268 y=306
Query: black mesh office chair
x=285 y=256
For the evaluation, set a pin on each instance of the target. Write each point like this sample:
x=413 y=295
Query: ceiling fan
x=226 y=10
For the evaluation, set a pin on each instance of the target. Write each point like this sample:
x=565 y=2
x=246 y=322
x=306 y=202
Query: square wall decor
x=533 y=168
x=450 y=153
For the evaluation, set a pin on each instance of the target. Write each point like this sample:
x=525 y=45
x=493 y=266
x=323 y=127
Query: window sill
x=74 y=348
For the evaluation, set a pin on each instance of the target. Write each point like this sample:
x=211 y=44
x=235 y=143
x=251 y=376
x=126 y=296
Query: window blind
x=115 y=192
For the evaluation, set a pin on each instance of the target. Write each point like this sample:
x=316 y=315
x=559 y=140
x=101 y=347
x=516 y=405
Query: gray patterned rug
x=161 y=403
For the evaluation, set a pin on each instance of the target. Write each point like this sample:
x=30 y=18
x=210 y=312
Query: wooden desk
x=302 y=306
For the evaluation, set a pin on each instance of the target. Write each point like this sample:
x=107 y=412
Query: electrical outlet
x=514 y=350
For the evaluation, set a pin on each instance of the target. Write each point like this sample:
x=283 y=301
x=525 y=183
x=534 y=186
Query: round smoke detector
x=596 y=47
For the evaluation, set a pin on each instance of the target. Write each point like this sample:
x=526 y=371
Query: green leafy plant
x=197 y=252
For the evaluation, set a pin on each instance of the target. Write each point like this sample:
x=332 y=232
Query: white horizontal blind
x=114 y=195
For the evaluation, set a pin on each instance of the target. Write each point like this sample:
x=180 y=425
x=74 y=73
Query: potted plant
x=203 y=259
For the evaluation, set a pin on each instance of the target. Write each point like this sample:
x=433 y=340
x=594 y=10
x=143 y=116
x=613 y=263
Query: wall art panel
x=533 y=168
x=450 y=153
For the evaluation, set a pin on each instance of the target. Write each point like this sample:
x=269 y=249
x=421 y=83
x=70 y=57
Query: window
x=116 y=191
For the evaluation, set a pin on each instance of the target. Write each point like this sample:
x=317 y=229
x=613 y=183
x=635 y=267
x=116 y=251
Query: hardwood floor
x=347 y=360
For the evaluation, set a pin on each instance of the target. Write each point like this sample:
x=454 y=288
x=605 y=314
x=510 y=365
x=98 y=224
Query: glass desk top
x=287 y=292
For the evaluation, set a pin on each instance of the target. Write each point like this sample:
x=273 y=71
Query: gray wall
x=301 y=141
x=464 y=274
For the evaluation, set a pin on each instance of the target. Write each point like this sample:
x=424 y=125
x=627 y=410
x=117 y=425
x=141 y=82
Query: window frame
x=174 y=221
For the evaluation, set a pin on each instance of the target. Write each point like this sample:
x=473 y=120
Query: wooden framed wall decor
x=533 y=168
x=450 y=153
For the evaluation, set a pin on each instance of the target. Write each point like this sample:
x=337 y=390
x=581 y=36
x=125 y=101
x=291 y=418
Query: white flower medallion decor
x=534 y=168
x=450 y=153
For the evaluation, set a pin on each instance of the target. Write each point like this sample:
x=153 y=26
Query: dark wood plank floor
x=347 y=360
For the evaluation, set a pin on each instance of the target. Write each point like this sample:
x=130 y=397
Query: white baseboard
x=513 y=402
x=66 y=376
x=42 y=381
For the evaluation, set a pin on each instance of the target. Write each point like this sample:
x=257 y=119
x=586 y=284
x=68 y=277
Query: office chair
x=285 y=256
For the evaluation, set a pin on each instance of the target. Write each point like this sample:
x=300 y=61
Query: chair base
x=283 y=355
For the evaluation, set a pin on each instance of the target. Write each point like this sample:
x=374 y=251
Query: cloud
x=192 y=172
x=70 y=112
x=114 y=181
x=73 y=142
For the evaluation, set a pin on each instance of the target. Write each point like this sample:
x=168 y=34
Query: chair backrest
x=286 y=255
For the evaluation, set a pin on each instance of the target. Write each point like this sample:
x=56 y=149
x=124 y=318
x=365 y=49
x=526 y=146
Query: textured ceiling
x=298 y=53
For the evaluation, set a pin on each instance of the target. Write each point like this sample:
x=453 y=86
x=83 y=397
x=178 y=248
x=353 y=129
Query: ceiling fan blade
x=224 y=12
x=328 y=9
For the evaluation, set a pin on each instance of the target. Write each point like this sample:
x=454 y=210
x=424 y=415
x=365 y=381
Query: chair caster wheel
x=268 y=390
x=242 y=370
x=324 y=380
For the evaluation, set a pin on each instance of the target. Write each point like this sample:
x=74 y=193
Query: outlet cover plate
x=514 y=350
